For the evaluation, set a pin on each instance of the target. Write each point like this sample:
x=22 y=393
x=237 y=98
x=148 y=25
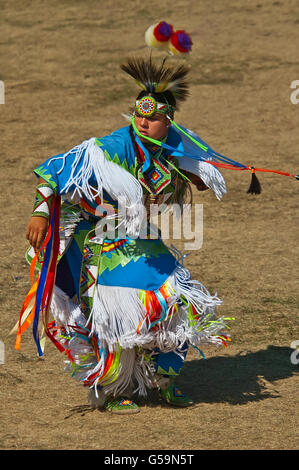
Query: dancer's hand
x=196 y=180
x=36 y=231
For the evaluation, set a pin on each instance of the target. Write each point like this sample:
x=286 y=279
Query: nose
x=144 y=122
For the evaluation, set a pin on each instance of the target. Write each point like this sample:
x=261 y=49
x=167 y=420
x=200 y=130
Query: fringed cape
x=113 y=299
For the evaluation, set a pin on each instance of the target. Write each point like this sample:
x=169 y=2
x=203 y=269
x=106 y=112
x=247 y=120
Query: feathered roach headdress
x=165 y=82
x=164 y=88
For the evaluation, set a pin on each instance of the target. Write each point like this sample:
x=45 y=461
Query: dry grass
x=60 y=64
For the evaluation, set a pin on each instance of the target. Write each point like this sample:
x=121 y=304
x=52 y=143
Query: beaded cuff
x=43 y=200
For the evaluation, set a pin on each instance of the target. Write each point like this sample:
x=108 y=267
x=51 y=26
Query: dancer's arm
x=38 y=224
x=196 y=180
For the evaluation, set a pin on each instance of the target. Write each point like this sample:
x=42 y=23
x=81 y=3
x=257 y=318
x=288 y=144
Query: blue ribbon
x=41 y=285
x=209 y=151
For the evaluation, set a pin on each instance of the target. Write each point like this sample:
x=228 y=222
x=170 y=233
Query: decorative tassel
x=255 y=187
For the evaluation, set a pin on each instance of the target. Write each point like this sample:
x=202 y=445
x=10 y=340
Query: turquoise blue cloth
x=151 y=263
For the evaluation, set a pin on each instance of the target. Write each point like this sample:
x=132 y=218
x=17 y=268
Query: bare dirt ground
x=60 y=65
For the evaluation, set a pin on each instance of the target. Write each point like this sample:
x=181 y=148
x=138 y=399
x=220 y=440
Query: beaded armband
x=43 y=200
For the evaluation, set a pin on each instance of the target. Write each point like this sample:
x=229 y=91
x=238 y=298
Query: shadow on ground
x=246 y=377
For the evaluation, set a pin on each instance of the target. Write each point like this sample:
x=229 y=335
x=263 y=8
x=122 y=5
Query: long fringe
x=119 y=183
x=121 y=319
x=107 y=351
x=207 y=172
x=64 y=310
x=115 y=315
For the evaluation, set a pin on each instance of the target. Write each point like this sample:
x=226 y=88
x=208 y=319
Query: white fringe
x=210 y=175
x=207 y=172
x=123 y=380
x=69 y=219
x=133 y=372
x=194 y=291
x=131 y=368
x=119 y=183
x=65 y=312
x=116 y=313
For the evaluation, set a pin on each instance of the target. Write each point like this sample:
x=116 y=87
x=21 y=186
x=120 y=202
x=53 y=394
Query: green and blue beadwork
x=148 y=106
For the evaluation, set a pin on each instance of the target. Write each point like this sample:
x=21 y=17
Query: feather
x=158 y=78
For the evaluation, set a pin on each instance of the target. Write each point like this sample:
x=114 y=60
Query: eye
x=148 y=118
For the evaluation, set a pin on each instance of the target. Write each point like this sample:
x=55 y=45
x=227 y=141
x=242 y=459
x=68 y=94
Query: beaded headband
x=148 y=106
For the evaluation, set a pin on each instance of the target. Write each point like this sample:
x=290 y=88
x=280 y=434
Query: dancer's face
x=155 y=127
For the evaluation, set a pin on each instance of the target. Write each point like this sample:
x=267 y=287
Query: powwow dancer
x=124 y=307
